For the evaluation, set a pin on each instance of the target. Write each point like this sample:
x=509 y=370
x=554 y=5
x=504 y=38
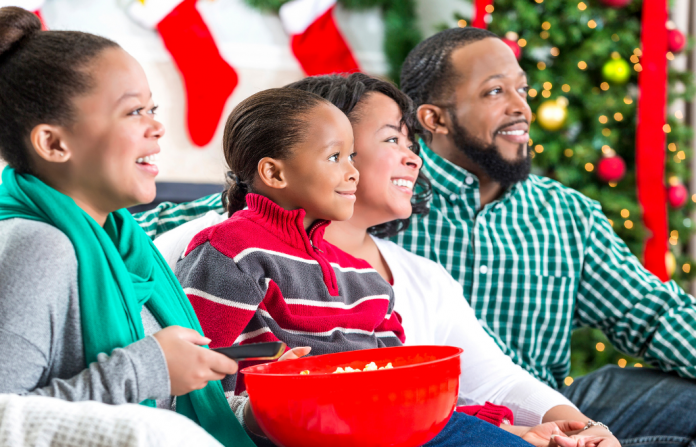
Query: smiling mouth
x=403 y=183
x=147 y=160
x=512 y=132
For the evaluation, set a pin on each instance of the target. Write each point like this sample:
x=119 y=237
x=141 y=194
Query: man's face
x=489 y=111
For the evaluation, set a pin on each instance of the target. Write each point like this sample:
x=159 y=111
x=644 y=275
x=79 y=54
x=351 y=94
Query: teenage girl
x=89 y=310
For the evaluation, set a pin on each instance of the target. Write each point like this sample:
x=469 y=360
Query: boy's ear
x=432 y=118
x=272 y=173
x=47 y=141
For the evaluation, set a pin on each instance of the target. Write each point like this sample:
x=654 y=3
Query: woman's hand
x=249 y=419
x=550 y=434
x=191 y=366
x=596 y=437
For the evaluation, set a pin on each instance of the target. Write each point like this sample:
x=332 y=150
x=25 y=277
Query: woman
x=427 y=297
x=88 y=308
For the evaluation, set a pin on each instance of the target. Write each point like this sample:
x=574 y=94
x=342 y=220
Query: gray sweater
x=41 y=348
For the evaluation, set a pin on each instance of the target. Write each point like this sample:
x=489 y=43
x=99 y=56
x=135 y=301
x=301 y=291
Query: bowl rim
x=458 y=353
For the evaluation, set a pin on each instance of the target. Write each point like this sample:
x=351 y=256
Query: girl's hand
x=249 y=419
x=553 y=434
x=191 y=366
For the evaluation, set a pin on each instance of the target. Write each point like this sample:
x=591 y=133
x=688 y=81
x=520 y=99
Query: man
x=535 y=259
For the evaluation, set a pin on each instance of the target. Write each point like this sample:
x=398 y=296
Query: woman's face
x=113 y=142
x=321 y=177
x=388 y=167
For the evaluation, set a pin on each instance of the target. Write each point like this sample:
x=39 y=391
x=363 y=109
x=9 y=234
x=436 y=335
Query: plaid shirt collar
x=451 y=180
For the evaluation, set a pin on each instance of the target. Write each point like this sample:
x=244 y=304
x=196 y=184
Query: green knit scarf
x=118 y=271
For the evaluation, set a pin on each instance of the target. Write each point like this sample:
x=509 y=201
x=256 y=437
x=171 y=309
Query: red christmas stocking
x=30 y=5
x=315 y=39
x=208 y=78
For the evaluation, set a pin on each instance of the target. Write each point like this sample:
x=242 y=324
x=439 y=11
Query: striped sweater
x=259 y=276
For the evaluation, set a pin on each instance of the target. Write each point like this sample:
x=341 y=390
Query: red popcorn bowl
x=405 y=406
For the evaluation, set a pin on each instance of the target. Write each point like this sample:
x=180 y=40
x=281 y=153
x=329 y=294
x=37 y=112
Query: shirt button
x=469 y=181
x=453 y=197
x=483 y=269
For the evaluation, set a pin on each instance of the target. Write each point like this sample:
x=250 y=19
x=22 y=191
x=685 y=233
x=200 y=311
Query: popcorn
x=372 y=366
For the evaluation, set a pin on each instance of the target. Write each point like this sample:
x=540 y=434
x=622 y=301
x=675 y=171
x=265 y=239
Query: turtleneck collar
x=286 y=225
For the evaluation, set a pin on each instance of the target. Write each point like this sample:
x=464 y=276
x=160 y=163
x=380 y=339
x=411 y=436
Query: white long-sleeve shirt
x=434 y=312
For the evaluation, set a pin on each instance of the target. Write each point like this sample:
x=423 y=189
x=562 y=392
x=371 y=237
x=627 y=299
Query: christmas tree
x=582 y=59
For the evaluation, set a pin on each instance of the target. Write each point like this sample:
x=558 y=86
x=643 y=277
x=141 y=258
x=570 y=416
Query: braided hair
x=428 y=74
x=346 y=92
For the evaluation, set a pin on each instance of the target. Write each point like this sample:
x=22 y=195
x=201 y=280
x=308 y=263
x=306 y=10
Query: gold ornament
x=670 y=263
x=552 y=114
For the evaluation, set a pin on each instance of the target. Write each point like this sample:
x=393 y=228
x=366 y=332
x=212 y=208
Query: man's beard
x=488 y=158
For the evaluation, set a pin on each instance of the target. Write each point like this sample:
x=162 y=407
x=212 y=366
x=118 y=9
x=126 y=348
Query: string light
x=592 y=24
x=565 y=88
x=606 y=149
x=667 y=128
x=611 y=222
x=638 y=365
x=618 y=116
x=628 y=224
x=600 y=347
x=674 y=234
x=548 y=86
x=539 y=148
x=693 y=198
x=589 y=167
x=569 y=153
x=546 y=26
x=628 y=100
x=615 y=37
x=522 y=42
x=612 y=185
x=681 y=155
x=638 y=67
x=615 y=55
x=603 y=119
x=490 y=9
x=625 y=213
x=544 y=34
x=672 y=147
x=532 y=93
x=462 y=23
x=539 y=1
x=634 y=59
x=679 y=115
x=541 y=65
x=582 y=65
x=606 y=131
x=604 y=86
x=677 y=159
x=637 y=52
x=568 y=381
x=582 y=6
x=670 y=56
x=530 y=142
x=622 y=363
x=555 y=51
x=686 y=268
x=546 y=93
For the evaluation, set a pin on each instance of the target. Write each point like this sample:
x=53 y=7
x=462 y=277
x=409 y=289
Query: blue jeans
x=642 y=407
x=464 y=430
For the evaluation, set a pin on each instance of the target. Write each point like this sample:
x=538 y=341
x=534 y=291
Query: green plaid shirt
x=538 y=262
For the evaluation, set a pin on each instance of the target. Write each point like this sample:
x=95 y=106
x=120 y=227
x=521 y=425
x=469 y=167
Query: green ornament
x=617 y=71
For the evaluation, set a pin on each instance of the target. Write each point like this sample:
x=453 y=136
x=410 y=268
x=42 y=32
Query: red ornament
x=611 y=169
x=677 y=195
x=515 y=47
x=616 y=3
x=676 y=41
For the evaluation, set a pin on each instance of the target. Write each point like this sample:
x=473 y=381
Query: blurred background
x=583 y=59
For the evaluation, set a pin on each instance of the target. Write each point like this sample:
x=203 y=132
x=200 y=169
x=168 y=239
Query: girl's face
x=320 y=175
x=388 y=167
x=113 y=141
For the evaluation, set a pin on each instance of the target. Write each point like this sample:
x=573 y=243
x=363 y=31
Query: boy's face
x=320 y=175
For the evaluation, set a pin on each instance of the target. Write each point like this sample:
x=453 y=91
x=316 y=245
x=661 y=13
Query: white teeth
x=403 y=182
x=148 y=159
x=512 y=132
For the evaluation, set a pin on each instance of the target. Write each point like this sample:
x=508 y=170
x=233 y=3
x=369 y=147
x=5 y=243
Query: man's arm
x=639 y=314
x=168 y=215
